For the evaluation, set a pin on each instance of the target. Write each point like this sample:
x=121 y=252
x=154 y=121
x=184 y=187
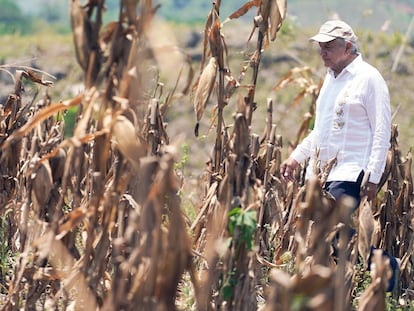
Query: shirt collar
x=351 y=68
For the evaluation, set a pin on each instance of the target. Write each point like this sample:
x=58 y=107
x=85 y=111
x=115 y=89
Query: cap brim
x=322 y=38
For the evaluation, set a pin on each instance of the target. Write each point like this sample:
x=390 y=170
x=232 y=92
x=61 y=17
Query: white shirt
x=353 y=124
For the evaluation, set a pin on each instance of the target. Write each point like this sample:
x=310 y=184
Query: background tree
x=12 y=19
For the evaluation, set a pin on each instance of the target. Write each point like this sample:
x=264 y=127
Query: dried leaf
x=304 y=128
x=34 y=77
x=365 y=230
x=388 y=167
x=216 y=43
x=130 y=8
x=317 y=280
x=207 y=28
x=290 y=77
x=72 y=219
x=282 y=83
x=407 y=169
x=59 y=258
x=297 y=98
x=373 y=298
x=41 y=116
x=277 y=15
x=107 y=33
x=243 y=10
x=231 y=86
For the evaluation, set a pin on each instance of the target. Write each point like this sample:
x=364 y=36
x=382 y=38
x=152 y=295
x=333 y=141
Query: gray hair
x=354 y=48
x=354 y=45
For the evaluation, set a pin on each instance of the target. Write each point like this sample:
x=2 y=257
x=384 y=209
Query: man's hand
x=287 y=168
x=370 y=190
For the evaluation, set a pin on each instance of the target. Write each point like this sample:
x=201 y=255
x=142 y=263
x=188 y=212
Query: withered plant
x=294 y=258
x=94 y=221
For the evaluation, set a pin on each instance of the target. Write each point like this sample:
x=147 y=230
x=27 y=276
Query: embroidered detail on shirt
x=338 y=121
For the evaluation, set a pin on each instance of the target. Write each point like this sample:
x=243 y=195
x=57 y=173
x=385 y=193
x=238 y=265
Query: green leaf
x=245 y=221
x=227 y=292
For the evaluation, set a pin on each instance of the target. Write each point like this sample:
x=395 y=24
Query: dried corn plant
x=94 y=221
x=308 y=232
x=295 y=243
x=227 y=222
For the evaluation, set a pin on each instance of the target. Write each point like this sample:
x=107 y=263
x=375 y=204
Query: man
x=353 y=119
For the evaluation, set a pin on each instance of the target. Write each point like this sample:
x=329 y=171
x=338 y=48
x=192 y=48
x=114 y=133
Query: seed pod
x=42 y=183
x=82 y=33
x=204 y=88
x=217 y=43
x=265 y=7
x=126 y=140
x=57 y=165
x=241 y=130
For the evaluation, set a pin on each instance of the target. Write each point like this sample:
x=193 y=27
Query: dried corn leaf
x=290 y=77
x=33 y=76
x=317 y=280
x=373 y=298
x=75 y=282
x=207 y=28
x=407 y=170
x=216 y=43
x=389 y=163
x=243 y=9
x=130 y=7
x=231 y=87
x=281 y=291
x=277 y=16
x=72 y=219
x=107 y=33
x=298 y=98
x=90 y=100
x=365 y=230
x=41 y=116
x=304 y=128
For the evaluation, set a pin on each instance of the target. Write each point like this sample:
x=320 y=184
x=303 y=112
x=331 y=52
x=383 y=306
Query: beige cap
x=335 y=29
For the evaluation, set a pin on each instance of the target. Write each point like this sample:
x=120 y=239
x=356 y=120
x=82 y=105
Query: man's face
x=335 y=53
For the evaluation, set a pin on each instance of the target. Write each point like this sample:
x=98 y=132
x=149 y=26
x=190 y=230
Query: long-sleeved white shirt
x=353 y=124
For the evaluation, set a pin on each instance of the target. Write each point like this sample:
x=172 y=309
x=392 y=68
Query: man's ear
x=349 y=46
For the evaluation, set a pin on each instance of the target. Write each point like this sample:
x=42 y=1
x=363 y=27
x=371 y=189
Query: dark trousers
x=340 y=188
x=350 y=188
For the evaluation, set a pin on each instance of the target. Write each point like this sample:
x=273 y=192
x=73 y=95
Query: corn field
x=94 y=220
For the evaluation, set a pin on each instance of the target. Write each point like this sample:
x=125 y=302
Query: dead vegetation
x=94 y=221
